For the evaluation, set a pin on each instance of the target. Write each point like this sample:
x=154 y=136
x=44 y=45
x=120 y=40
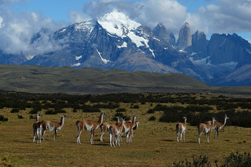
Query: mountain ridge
x=116 y=41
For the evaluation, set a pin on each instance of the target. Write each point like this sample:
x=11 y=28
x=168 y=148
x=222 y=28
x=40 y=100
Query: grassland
x=154 y=143
x=37 y=79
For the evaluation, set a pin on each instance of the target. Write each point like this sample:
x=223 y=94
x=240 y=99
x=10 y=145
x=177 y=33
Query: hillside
x=38 y=79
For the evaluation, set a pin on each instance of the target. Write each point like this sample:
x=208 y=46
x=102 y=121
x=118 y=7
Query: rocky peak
x=160 y=32
x=199 y=42
x=185 y=39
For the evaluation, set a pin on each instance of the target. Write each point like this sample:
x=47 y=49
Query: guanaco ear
x=103 y=113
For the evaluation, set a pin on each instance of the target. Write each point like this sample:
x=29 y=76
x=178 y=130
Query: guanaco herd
x=205 y=127
x=117 y=129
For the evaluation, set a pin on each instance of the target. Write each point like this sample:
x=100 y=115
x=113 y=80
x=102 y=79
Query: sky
x=20 y=19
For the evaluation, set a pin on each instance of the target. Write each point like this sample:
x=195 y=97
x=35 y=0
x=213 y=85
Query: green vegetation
x=154 y=142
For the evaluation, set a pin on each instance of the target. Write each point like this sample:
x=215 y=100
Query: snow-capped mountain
x=116 y=41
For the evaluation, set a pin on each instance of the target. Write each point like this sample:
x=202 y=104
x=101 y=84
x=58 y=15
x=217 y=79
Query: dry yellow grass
x=154 y=143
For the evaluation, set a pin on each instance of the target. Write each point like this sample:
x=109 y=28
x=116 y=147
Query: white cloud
x=169 y=12
x=227 y=16
x=77 y=17
x=17 y=30
x=1 y=22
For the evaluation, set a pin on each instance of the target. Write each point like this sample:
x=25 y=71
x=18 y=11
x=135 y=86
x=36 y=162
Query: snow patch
x=76 y=65
x=63 y=30
x=124 y=45
x=204 y=61
x=104 y=60
x=194 y=53
x=156 y=39
x=78 y=57
x=152 y=52
x=182 y=51
x=117 y=23
x=29 y=57
x=86 y=25
x=223 y=42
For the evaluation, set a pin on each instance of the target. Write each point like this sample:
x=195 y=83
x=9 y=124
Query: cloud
x=226 y=16
x=76 y=17
x=98 y=8
x=17 y=30
x=169 y=12
x=220 y=16
x=147 y=12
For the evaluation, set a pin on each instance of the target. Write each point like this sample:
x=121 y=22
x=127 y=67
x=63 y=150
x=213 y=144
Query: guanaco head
x=103 y=113
x=38 y=115
x=136 y=125
x=64 y=116
x=213 y=120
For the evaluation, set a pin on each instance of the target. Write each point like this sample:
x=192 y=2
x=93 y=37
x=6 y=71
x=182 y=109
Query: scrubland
x=154 y=142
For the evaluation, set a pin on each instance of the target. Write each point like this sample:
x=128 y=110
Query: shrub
x=3 y=119
x=121 y=110
x=14 y=110
x=51 y=112
x=20 y=116
x=34 y=110
x=201 y=161
x=236 y=159
x=87 y=108
x=152 y=118
x=121 y=115
x=150 y=111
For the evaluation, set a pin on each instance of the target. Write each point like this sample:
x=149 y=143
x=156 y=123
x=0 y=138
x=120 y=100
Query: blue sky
x=20 y=19
x=59 y=10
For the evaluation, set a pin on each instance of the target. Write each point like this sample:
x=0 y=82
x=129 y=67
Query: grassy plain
x=154 y=143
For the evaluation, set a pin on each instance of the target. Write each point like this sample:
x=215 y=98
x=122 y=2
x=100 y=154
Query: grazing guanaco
x=115 y=132
x=206 y=128
x=181 y=129
x=53 y=126
x=128 y=129
x=37 y=129
x=89 y=125
x=105 y=127
x=218 y=126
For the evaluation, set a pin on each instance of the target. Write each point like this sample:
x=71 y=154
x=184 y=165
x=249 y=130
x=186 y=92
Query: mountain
x=185 y=39
x=38 y=79
x=221 y=57
x=6 y=58
x=161 y=33
x=114 y=41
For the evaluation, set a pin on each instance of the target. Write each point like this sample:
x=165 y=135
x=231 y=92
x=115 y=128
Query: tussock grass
x=154 y=143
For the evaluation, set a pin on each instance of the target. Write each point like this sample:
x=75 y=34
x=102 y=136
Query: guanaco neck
x=213 y=122
x=100 y=121
x=224 y=123
x=185 y=121
x=62 y=121
x=37 y=118
x=133 y=119
x=117 y=120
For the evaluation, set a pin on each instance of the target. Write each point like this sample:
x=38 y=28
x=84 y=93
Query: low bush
x=236 y=159
x=233 y=160
x=52 y=112
x=14 y=110
x=121 y=110
x=3 y=119
x=152 y=118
